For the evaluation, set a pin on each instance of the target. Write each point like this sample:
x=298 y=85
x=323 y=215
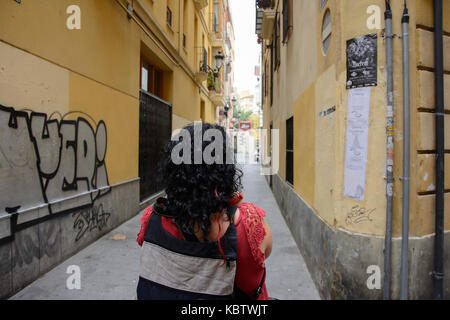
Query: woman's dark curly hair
x=196 y=191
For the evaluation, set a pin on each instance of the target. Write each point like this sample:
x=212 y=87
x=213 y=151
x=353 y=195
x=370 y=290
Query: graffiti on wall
x=50 y=162
x=89 y=219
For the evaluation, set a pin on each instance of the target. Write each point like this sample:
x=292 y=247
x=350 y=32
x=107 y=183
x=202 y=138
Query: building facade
x=305 y=96
x=90 y=91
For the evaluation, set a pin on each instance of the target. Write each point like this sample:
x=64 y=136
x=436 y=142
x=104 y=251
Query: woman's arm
x=266 y=244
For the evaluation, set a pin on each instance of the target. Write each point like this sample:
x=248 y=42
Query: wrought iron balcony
x=265 y=4
x=202 y=73
x=265 y=19
x=216 y=92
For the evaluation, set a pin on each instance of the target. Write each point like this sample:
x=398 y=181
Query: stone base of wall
x=338 y=259
x=39 y=245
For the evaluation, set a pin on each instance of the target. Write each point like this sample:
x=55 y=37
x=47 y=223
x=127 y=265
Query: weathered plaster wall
x=338 y=259
x=63 y=183
x=319 y=146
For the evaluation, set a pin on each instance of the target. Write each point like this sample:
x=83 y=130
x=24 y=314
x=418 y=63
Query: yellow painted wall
x=325 y=174
x=304 y=145
x=186 y=97
x=423 y=198
x=319 y=143
x=28 y=82
x=33 y=84
x=105 y=49
x=374 y=198
x=96 y=70
x=120 y=113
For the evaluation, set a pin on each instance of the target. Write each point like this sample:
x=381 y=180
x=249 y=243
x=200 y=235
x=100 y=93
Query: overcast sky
x=246 y=46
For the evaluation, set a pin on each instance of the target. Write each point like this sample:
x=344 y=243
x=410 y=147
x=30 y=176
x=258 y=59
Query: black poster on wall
x=362 y=61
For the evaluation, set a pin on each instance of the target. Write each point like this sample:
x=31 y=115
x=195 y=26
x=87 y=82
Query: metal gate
x=155 y=129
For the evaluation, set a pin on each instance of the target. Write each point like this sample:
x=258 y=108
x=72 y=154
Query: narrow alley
x=110 y=266
x=346 y=103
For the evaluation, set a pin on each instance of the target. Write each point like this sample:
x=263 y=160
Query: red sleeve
x=252 y=219
x=144 y=223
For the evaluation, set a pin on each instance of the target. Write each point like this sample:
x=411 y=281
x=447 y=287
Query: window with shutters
x=287 y=20
x=151 y=78
x=169 y=17
x=276 y=41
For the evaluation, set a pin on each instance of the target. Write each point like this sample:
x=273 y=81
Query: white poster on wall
x=356 y=143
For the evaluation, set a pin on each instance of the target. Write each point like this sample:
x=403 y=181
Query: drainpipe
x=389 y=153
x=438 y=272
x=406 y=157
x=179 y=25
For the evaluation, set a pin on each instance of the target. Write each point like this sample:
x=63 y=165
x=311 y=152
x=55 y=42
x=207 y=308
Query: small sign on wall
x=362 y=54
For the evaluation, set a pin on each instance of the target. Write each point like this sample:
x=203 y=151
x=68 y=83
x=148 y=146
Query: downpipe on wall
x=389 y=152
x=438 y=271
x=406 y=156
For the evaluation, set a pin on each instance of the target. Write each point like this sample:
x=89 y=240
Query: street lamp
x=219 y=60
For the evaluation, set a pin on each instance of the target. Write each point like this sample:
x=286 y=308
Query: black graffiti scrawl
x=49 y=162
x=87 y=220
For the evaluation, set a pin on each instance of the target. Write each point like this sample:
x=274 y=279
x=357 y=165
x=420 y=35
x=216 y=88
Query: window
x=216 y=15
x=185 y=22
x=204 y=63
x=151 y=79
x=266 y=69
x=227 y=71
x=272 y=67
x=326 y=32
x=270 y=152
x=287 y=19
x=290 y=150
x=276 y=41
x=202 y=111
x=169 y=17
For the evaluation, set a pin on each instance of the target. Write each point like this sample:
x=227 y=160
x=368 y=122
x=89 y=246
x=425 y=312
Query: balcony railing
x=265 y=4
x=216 y=90
x=201 y=74
x=265 y=19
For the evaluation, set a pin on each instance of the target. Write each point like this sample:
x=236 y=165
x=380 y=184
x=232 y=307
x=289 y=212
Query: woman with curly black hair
x=202 y=241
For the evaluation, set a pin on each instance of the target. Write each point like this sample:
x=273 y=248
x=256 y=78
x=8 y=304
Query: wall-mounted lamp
x=218 y=60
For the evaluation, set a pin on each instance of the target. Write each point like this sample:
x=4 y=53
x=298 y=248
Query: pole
x=389 y=153
x=438 y=272
x=406 y=157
